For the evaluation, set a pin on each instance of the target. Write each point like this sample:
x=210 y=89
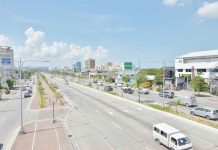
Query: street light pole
x=21 y=103
x=163 y=82
x=21 y=95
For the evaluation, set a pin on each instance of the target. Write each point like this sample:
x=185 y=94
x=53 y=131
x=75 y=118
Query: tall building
x=7 y=62
x=90 y=64
x=77 y=67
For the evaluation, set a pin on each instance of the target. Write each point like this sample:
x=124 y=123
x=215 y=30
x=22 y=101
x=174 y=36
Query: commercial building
x=127 y=69
x=7 y=62
x=77 y=67
x=202 y=63
x=106 y=67
x=90 y=64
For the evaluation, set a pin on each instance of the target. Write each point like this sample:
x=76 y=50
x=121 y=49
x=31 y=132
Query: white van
x=189 y=101
x=171 y=137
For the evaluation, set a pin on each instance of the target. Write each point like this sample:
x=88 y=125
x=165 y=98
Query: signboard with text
x=128 y=65
x=6 y=61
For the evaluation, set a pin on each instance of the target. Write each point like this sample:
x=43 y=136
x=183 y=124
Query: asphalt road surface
x=99 y=121
x=10 y=117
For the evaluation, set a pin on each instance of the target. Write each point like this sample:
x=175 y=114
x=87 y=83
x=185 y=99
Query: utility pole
x=163 y=82
x=21 y=103
x=139 y=84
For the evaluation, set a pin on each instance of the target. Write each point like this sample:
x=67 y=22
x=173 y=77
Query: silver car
x=207 y=112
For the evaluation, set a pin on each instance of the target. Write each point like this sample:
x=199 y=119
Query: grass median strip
x=53 y=87
x=41 y=92
x=184 y=115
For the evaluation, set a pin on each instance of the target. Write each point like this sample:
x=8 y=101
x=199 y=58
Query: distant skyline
x=68 y=31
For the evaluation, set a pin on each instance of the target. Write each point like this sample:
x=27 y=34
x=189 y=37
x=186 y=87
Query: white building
x=202 y=63
x=7 y=61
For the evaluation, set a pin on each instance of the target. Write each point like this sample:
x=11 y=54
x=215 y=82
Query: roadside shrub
x=10 y=83
x=42 y=102
x=7 y=91
x=216 y=93
x=158 y=89
x=184 y=115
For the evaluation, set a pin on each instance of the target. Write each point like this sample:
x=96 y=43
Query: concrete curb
x=13 y=139
x=166 y=113
x=34 y=94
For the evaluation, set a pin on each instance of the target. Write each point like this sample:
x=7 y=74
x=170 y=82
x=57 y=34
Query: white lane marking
x=110 y=113
x=34 y=135
x=59 y=146
x=125 y=110
x=106 y=141
x=115 y=124
x=139 y=108
x=98 y=112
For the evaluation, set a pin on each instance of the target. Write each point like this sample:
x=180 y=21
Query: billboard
x=128 y=65
x=6 y=61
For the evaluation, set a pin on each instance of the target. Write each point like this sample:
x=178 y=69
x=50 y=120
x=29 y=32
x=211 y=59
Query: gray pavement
x=121 y=124
x=10 y=117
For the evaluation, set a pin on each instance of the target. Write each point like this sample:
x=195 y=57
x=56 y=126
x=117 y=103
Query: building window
x=201 y=70
x=188 y=70
x=180 y=70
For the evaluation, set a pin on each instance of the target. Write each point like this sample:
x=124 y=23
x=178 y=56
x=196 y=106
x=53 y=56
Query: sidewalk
x=43 y=135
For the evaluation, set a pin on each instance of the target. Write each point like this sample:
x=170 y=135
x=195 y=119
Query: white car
x=100 y=83
x=144 y=91
x=119 y=84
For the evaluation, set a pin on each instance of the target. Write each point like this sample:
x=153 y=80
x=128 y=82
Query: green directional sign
x=128 y=65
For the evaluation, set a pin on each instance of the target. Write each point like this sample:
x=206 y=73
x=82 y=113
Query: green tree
x=199 y=85
x=158 y=80
x=27 y=74
x=110 y=80
x=126 y=79
x=10 y=83
x=139 y=80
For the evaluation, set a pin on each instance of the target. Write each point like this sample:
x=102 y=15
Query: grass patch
x=184 y=115
x=41 y=93
x=113 y=93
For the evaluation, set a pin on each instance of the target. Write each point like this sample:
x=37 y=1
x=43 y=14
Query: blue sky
x=124 y=30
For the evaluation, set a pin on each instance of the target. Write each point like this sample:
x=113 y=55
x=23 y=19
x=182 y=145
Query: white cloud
x=176 y=2
x=208 y=10
x=4 y=40
x=60 y=53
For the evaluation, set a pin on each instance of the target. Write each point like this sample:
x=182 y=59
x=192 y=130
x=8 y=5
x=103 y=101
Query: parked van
x=171 y=137
x=188 y=101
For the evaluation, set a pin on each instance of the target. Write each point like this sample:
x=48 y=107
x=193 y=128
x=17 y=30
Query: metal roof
x=200 y=54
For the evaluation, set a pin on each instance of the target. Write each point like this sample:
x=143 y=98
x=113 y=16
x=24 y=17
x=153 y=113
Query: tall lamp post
x=21 y=95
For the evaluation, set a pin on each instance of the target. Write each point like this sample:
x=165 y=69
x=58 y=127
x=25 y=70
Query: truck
x=171 y=137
